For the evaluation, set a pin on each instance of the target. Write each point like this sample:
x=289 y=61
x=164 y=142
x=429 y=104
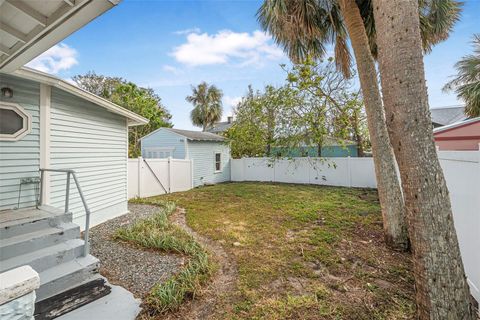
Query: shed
x=48 y=123
x=209 y=152
x=460 y=136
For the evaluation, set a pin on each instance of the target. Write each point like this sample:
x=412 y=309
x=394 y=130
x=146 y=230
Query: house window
x=15 y=122
x=218 y=162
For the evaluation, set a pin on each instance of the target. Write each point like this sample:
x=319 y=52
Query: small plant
x=157 y=232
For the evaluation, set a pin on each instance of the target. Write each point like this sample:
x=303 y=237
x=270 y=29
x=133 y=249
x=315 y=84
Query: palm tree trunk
x=441 y=287
x=389 y=190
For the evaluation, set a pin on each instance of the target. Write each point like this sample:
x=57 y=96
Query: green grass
x=306 y=252
x=157 y=232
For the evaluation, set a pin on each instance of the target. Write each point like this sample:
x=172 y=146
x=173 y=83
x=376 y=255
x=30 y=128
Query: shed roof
x=448 y=115
x=42 y=77
x=192 y=135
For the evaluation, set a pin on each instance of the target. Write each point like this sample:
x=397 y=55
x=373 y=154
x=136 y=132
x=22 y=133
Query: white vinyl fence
x=152 y=177
x=462 y=173
x=461 y=170
x=346 y=172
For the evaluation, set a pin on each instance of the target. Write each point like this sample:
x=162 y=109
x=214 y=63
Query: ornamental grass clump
x=157 y=232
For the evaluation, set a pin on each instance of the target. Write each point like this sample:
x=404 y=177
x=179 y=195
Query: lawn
x=302 y=252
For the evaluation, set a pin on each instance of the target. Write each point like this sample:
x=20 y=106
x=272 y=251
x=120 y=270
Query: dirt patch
x=223 y=282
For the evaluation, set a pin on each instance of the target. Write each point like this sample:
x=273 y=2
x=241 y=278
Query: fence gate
x=152 y=177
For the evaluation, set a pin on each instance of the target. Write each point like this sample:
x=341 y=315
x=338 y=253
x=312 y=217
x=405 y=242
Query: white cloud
x=172 y=69
x=187 y=31
x=57 y=58
x=231 y=101
x=226 y=46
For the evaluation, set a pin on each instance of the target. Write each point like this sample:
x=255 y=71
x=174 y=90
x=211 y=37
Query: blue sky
x=170 y=45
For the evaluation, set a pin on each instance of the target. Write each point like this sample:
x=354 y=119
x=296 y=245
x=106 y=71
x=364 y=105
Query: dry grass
x=303 y=252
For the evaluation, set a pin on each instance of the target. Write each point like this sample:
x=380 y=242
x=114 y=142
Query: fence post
x=349 y=172
x=191 y=173
x=169 y=181
x=139 y=176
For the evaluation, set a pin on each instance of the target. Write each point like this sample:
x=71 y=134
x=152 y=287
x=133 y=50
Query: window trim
x=215 y=162
x=27 y=121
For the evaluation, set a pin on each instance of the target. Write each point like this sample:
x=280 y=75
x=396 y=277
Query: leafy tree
x=349 y=123
x=441 y=287
x=258 y=117
x=467 y=81
x=143 y=101
x=207 y=105
x=245 y=137
x=322 y=92
x=100 y=85
x=146 y=103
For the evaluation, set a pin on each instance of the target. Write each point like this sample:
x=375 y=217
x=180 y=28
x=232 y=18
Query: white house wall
x=20 y=159
x=203 y=155
x=94 y=143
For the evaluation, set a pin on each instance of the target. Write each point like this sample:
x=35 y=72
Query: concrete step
x=37 y=240
x=66 y=276
x=47 y=257
x=17 y=222
x=120 y=304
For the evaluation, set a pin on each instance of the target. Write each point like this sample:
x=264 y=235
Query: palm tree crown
x=466 y=84
x=207 y=105
x=305 y=27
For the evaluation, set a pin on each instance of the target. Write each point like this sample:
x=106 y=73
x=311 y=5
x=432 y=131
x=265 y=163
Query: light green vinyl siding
x=20 y=159
x=93 y=142
x=165 y=139
x=203 y=155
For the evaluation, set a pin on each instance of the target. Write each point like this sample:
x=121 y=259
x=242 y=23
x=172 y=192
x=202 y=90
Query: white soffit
x=30 y=27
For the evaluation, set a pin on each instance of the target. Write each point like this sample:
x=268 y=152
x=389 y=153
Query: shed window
x=158 y=153
x=15 y=122
x=218 y=161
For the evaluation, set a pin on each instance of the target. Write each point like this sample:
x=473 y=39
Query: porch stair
x=48 y=241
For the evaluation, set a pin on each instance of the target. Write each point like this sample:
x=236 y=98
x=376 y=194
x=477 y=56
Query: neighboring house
x=331 y=148
x=221 y=127
x=447 y=115
x=464 y=135
x=47 y=123
x=209 y=152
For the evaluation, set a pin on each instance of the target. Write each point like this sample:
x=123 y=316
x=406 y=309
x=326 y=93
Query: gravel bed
x=135 y=269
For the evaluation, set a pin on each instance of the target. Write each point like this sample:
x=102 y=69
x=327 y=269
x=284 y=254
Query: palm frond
x=437 y=18
x=303 y=28
x=207 y=105
x=466 y=83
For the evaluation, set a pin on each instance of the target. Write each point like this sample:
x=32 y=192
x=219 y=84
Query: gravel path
x=135 y=269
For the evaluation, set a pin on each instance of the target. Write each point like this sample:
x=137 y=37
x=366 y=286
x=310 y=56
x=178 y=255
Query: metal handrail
x=86 y=247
